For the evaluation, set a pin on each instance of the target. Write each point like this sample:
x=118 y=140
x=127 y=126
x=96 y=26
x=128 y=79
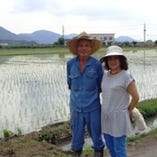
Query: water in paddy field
x=34 y=93
x=143 y=66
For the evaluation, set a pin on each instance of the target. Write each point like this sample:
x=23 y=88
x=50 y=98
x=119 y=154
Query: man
x=84 y=75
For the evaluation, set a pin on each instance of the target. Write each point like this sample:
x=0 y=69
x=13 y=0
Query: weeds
x=8 y=133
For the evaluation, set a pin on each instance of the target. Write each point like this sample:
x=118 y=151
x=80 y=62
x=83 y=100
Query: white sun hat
x=113 y=51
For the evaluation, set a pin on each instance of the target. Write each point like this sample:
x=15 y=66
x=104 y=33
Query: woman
x=119 y=97
x=84 y=75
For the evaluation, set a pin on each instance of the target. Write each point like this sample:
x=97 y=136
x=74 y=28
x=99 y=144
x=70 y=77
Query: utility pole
x=63 y=34
x=144 y=30
x=144 y=34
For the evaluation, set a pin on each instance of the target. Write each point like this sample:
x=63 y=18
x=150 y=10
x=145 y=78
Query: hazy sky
x=122 y=17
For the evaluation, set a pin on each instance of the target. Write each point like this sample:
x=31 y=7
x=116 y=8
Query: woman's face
x=84 y=48
x=113 y=62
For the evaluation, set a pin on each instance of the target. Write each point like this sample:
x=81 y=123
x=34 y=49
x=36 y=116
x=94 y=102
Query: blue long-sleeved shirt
x=84 y=87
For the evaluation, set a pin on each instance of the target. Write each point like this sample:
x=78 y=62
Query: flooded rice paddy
x=34 y=93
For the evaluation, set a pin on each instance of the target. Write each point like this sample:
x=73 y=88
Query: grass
x=32 y=51
x=56 y=153
x=138 y=137
x=148 y=108
x=87 y=151
x=51 y=134
x=51 y=50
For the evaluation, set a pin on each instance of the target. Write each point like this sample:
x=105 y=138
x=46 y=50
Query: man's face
x=84 y=48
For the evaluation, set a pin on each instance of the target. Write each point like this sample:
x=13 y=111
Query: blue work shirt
x=84 y=86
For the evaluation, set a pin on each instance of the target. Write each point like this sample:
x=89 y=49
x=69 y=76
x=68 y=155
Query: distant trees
x=60 y=42
x=134 y=43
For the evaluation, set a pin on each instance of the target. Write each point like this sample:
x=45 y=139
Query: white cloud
x=122 y=17
x=28 y=5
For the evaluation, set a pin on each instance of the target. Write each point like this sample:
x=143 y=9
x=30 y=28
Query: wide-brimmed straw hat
x=72 y=44
x=113 y=50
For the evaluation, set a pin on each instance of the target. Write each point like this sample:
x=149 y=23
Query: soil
x=30 y=145
x=145 y=147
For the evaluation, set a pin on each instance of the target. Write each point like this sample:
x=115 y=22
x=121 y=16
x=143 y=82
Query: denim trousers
x=116 y=145
x=91 y=120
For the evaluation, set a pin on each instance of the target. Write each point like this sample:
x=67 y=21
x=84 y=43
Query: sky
x=121 y=17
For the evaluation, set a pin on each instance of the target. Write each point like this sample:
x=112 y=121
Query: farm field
x=34 y=92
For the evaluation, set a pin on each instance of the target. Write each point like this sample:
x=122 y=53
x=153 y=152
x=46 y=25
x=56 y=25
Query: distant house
x=149 y=43
x=4 y=44
x=106 y=38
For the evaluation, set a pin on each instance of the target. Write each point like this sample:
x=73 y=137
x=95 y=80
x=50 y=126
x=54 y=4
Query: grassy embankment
x=51 y=50
x=32 y=51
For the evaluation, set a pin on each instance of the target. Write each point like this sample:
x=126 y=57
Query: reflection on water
x=33 y=89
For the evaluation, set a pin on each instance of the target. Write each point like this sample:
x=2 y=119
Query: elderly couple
x=87 y=78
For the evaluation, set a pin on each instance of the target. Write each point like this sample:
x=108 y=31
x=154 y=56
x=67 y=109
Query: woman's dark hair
x=122 y=59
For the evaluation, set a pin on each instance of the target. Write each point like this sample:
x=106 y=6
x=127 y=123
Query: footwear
x=98 y=153
x=77 y=153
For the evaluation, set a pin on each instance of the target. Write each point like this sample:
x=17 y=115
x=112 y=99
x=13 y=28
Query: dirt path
x=30 y=146
x=145 y=147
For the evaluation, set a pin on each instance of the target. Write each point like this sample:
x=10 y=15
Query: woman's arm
x=132 y=90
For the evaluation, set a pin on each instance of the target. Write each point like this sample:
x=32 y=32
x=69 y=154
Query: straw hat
x=113 y=51
x=72 y=44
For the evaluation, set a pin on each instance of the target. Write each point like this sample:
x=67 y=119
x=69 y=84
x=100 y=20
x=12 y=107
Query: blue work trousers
x=78 y=122
x=116 y=145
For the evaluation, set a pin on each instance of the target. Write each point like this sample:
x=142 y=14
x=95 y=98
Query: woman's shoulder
x=127 y=75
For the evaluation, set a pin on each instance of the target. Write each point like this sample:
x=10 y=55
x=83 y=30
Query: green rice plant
x=19 y=132
x=7 y=133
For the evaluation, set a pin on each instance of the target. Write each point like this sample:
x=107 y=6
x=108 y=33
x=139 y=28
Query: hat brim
x=112 y=54
x=72 y=45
